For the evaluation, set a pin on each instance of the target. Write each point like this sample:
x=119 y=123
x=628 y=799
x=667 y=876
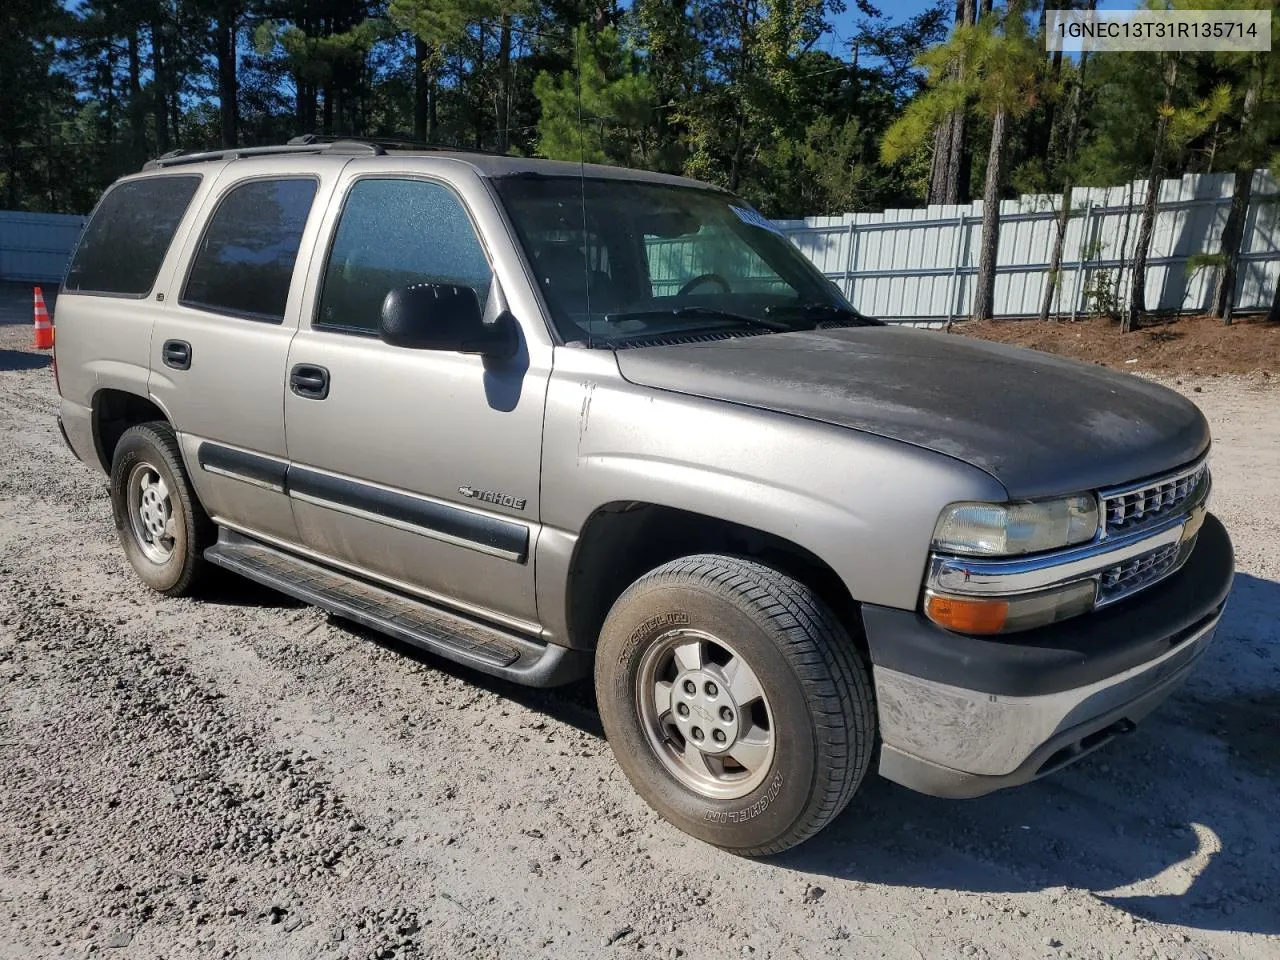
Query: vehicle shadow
x=223 y=588
x=1179 y=822
x=573 y=704
x=22 y=360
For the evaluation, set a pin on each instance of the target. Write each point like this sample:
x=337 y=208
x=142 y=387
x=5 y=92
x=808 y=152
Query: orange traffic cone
x=44 y=327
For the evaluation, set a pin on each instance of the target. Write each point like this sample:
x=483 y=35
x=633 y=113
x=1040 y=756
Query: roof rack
x=393 y=143
x=307 y=143
x=342 y=146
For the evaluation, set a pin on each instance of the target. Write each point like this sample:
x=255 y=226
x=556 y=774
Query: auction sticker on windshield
x=755 y=219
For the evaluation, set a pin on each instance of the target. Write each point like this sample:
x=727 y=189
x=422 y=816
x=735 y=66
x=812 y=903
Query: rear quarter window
x=244 y=264
x=127 y=237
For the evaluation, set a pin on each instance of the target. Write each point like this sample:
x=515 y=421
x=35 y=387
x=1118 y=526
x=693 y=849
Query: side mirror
x=440 y=316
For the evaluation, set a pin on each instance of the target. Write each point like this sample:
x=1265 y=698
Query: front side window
x=244 y=264
x=396 y=233
x=128 y=236
x=628 y=260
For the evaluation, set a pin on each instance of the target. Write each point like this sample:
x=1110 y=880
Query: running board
x=490 y=649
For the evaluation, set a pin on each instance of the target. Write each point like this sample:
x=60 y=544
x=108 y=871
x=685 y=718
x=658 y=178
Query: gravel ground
x=241 y=776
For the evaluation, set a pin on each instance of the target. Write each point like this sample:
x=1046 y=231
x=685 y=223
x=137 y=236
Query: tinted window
x=129 y=234
x=394 y=233
x=245 y=260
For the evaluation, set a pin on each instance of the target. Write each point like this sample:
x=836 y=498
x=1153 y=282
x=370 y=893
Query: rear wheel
x=161 y=524
x=735 y=702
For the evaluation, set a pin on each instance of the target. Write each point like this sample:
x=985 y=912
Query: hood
x=1039 y=424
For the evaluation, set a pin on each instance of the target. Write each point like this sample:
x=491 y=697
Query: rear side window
x=395 y=233
x=125 y=242
x=244 y=263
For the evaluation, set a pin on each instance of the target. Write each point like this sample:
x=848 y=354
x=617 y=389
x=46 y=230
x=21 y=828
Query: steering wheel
x=705 y=278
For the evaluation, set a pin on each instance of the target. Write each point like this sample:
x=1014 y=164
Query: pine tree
x=1002 y=78
x=603 y=111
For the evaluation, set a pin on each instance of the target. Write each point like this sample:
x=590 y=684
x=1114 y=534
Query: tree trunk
x=1146 y=225
x=1273 y=315
x=477 y=77
x=985 y=296
x=173 y=88
x=735 y=164
x=504 y=85
x=421 y=88
x=1224 y=299
x=159 y=87
x=1054 y=277
x=137 y=112
x=11 y=181
x=946 y=175
x=1064 y=211
x=300 y=105
x=228 y=87
x=433 y=102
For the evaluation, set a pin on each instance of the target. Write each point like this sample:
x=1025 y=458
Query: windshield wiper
x=819 y=308
x=711 y=313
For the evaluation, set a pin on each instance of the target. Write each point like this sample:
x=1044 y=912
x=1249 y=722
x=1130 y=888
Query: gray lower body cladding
x=506 y=538
x=961 y=716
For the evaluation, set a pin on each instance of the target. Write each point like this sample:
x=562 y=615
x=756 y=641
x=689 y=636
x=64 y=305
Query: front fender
x=864 y=505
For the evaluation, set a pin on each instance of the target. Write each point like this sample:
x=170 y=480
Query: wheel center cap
x=704 y=711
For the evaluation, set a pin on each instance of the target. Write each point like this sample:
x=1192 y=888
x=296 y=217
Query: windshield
x=648 y=261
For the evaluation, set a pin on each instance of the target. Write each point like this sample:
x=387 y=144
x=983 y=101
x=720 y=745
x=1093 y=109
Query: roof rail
x=341 y=146
x=391 y=143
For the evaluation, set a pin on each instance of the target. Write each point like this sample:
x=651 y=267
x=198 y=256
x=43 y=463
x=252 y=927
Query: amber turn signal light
x=967 y=616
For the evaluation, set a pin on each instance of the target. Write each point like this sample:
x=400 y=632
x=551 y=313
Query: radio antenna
x=582 y=179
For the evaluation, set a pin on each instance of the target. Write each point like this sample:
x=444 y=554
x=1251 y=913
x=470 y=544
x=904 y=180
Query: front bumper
x=961 y=716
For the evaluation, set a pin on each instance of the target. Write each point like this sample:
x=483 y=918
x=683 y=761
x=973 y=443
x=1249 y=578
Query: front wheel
x=735 y=702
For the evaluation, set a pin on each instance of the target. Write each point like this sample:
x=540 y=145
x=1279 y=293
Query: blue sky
x=846 y=24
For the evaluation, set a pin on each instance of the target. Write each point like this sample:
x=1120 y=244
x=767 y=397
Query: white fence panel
x=919 y=266
x=36 y=246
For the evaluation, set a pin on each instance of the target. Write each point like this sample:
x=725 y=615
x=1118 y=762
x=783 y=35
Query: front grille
x=1133 y=508
x=1131 y=576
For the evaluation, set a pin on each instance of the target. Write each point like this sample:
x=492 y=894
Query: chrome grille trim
x=1127 y=578
x=1136 y=506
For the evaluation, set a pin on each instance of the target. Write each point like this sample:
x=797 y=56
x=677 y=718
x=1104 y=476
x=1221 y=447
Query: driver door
x=416 y=467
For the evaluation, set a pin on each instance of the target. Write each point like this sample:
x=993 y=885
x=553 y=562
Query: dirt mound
x=1190 y=346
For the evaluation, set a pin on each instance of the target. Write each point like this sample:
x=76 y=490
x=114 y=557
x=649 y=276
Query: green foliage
x=601 y=113
x=756 y=95
x=1187 y=123
x=993 y=65
x=1101 y=295
x=1203 y=261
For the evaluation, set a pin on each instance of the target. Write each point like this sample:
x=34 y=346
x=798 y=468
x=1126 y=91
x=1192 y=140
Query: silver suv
x=547 y=421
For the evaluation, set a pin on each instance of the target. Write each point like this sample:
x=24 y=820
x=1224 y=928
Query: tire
x=805 y=743
x=150 y=451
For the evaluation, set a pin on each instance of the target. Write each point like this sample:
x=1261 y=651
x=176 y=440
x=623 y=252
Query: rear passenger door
x=418 y=467
x=218 y=350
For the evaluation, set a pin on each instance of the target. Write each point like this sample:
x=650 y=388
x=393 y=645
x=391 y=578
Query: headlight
x=1011 y=529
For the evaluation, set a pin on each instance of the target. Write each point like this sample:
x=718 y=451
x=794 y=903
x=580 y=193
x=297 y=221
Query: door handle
x=176 y=354
x=309 y=381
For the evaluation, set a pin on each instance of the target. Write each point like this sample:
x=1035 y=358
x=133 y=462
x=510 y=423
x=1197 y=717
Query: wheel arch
x=113 y=412
x=623 y=540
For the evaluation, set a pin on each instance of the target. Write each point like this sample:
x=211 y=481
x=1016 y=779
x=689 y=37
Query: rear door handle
x=176 y=354
x=310 y=381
